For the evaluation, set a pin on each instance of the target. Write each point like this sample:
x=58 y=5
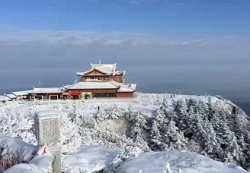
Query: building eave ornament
x=108 y=69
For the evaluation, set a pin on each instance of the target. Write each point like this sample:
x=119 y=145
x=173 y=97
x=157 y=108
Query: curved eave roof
x=102 y=85
x=105 y=73
x=109 y=69
x=46 y=90
x=4 y=98
x=91 y=85
x=124 y=90
x=127 y=88
x=11 y=96
x=22 y=93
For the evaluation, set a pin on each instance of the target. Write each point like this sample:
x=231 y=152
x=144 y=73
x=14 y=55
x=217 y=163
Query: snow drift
x=14 y=151
x=180 y=161
x=41 y=163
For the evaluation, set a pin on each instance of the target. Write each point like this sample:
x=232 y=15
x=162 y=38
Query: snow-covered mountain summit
x=208 y=125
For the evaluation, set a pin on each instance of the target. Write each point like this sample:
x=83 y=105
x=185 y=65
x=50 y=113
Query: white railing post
x=47 y=128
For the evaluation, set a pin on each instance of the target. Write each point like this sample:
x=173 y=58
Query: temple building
x=45 y=93
x=102 y=80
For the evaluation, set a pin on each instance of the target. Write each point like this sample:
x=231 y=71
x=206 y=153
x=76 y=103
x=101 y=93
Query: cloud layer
x=51 y=58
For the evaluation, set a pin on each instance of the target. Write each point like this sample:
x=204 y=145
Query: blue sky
x=183 y=18
x=193 y=46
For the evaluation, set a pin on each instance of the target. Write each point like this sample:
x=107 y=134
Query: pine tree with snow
x=172 y=137
x=181 y=110
x=160 y=117
x=115 y=113
x=138 y=128
x=155 y=136
x=200 y=135
x=181 y=107
x=192 y=104
x=187 y=123
x=212 y=147
x=210 y=109
x=202 y=110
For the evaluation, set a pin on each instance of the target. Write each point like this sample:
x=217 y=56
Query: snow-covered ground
x=179 y=161
x=90 y=158
x=207 y=125
x=94 y=158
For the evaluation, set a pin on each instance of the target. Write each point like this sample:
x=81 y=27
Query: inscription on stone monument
x=47 y=128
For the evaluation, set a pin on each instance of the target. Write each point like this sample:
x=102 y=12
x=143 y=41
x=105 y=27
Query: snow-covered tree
x=116 y=112
x=172 y=137
x=155 y=136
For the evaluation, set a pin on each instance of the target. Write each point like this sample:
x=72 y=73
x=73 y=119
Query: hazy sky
x=192 y=46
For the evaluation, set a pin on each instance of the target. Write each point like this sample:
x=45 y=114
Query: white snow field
x=104 y=134
x=90 y=158
x=93 y=158
x=179 y=161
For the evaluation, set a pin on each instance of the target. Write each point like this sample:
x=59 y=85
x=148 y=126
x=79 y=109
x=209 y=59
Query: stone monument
x=47 y=128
